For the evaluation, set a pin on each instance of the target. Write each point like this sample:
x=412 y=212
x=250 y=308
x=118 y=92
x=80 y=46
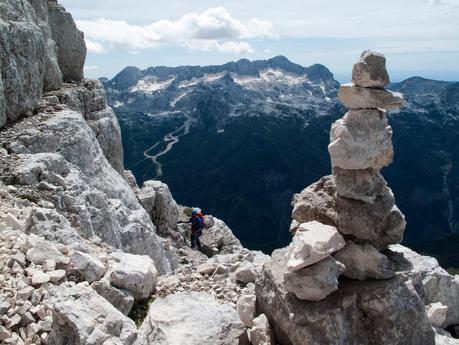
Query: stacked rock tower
x=344 y=222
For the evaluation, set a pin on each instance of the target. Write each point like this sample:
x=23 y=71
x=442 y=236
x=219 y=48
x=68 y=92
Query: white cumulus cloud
x=212 y=30
x=94 y=47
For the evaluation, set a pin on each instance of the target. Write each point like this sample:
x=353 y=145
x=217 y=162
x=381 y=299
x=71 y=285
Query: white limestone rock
x=206 y=268
x=246 y=273
x=190 y=318
x=40 y=278
x=312 y=243
x=437 y=313
x=56 y=276
x=134 y=273
x=82 y=316
x=362 y=139
x=246 y=308
x=43 y=251
x=261 y=333
x=364 y=262
x=370 y=70
x=86 y=266
x=314 y=282
x=356 y=97
x=380 y=224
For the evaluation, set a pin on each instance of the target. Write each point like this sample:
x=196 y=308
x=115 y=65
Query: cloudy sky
x=419 y=37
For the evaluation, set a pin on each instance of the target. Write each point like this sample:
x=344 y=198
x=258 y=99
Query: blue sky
x=418 y=37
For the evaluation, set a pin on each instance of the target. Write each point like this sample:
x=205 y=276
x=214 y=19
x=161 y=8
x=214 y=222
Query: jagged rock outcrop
x=71 y=48
x=31 y=62
x=63 y=150
x=190 y=318
x=157 y=200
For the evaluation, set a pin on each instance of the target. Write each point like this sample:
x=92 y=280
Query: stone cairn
x=344 y=222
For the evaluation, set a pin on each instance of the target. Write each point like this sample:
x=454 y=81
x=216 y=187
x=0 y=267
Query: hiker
x=197 y=224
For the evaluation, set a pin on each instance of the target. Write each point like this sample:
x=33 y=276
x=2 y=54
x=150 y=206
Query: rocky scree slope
x=81 y=242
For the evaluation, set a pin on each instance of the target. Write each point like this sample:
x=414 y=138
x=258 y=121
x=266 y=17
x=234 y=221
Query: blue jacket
x=196 y=223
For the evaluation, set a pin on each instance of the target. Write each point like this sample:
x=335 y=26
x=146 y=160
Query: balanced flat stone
x=357 y=97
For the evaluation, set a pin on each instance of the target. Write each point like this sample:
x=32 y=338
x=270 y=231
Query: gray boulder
x=119 y=298
x=246 y=273
x=86 y=266
x=362 y=139
x=370 y=70
x=190 y=318
x=134 y=273
x=364 y=262
x=82 y=316
x=359 y=313
x=314 y=282
x=356 y=97
x=71 y=48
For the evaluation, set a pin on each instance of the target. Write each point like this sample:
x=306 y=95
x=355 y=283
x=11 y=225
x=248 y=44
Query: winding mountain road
x=171 y=139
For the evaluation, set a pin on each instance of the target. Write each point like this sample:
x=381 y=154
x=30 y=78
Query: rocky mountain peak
x=126 y=78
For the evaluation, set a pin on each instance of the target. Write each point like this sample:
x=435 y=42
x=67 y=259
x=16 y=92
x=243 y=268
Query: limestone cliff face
x=40 y=47
x=72 y=146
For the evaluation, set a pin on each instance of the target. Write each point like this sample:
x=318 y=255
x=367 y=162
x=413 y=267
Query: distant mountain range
x=240 y=138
